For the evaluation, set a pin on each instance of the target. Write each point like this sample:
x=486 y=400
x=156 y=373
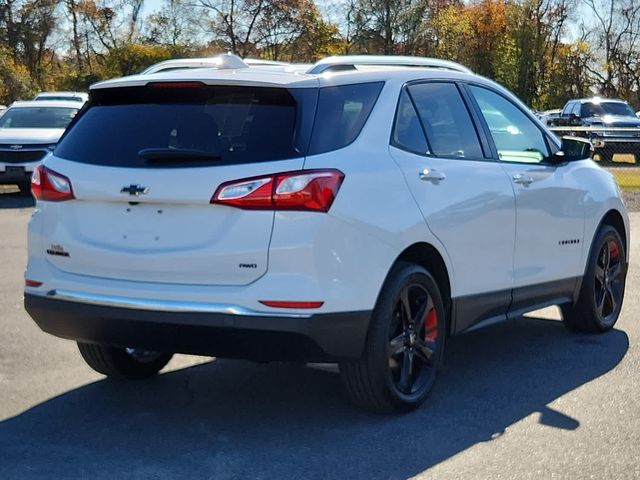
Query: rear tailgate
x=149 y=218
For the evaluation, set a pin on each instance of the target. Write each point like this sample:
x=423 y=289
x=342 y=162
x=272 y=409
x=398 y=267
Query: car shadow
x=227 y=419
x=10 y=197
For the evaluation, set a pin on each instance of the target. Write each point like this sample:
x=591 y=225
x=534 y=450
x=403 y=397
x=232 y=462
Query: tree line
x=546 y=51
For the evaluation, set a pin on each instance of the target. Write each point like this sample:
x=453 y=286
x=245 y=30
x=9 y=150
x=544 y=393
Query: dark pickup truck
x=612 y=125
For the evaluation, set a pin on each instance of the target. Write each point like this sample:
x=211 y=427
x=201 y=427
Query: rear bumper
x=315 y=338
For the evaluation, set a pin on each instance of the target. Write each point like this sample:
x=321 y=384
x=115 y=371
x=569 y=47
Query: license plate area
x=14 y=170
x=146 y=226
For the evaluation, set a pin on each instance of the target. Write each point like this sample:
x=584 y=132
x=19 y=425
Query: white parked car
x=549 y=117
x=28 y=131
x=360 y=217
x=81 y=97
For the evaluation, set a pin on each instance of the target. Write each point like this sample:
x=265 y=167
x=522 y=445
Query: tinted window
x=607 y=108
x=53 y=97
x=43 y=117
x=446 y=120
x=576 y=109
x=342 y=112
x=407 y=131
x=186 y=126
x=516 y=137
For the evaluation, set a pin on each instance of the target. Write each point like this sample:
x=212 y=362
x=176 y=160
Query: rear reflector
x=285 y=304
x=307 y=190
x=50 y=186
x=31 y=283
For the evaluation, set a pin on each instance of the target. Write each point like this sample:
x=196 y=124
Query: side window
x=407 y=131
x=516 y=137
x=576 y=108
x=446 y=121
x=341 y=114
x=568 y=108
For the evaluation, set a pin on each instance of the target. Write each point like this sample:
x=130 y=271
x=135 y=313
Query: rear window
x=172 y=126
x=62 y=97
x=42 y=117
x=342 y=112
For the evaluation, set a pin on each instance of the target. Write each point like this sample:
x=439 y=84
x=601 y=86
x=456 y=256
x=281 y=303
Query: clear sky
x=152 y=5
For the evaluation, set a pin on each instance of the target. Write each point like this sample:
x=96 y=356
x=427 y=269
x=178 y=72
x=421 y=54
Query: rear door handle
x=522 y=179
x=431 y=175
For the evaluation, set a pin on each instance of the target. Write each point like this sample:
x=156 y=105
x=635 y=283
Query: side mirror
x=572 y=149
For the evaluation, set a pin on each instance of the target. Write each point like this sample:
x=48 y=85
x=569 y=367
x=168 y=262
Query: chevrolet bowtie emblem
x=135 y=190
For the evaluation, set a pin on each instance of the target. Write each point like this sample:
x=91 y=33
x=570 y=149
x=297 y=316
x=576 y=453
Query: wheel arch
x=614 y=218
x=428 y=257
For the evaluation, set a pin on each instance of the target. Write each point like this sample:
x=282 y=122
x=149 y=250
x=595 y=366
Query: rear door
x=466 y=199
x=144 y=163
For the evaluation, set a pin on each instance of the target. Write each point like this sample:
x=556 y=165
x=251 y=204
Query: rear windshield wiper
x=177 y=155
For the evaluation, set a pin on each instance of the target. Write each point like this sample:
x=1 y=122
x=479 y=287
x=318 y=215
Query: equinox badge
x=135 y=190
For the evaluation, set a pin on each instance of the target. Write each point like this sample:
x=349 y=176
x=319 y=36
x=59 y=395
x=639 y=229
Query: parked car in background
x=597 y=111
x=360 y=217
x=548 y=117
x=2 y=109
x=64 y=96
x=28 y=131
x=610 y=124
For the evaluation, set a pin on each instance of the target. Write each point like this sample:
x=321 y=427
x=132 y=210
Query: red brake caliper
x=431 y=325
x=613 y=250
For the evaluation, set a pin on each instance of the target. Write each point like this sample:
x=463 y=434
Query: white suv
x=358 y=217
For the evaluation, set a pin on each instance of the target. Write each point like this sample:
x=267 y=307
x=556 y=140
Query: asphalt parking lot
x=525 y=399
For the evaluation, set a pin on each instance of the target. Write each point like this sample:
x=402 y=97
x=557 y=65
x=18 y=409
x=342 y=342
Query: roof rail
x=349 y=62
x=224 y=61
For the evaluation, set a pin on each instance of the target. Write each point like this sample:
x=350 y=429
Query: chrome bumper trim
x=164 y=305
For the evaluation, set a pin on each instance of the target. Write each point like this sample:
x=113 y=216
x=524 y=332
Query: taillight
x=309 y=190
x=50 y=186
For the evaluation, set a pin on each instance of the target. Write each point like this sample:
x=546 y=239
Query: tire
x=602 y=291
x=402 y=353
x=123 y=363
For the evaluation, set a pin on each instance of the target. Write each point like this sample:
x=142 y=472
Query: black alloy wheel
x=599 y=302
x=404 y=346
x=412 y=340
x=608 y=281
